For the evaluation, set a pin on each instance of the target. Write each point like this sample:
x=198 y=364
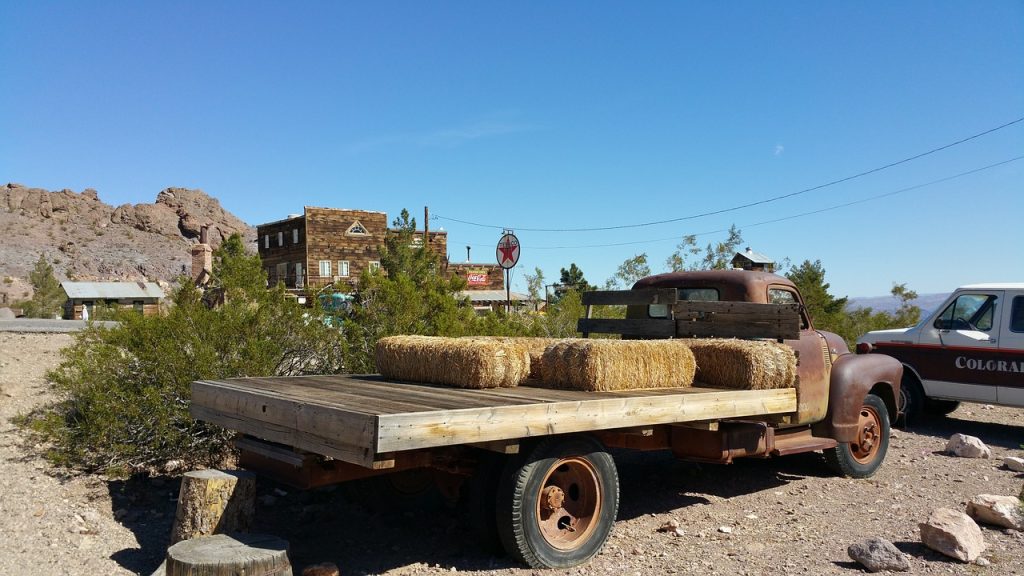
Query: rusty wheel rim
x=569 y=503
x=869 y=435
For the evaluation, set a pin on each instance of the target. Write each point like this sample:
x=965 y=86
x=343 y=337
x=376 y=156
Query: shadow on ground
x=145 y=505
x=991 y=433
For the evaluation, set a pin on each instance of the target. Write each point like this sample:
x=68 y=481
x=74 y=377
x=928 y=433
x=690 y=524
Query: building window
x=282 y=273
x=295 y=236
x=374 y=266
x=300 y=279
x=266 y=241
x=357 y=229
x=280 y=238
x=342 y=267
x=325 y=268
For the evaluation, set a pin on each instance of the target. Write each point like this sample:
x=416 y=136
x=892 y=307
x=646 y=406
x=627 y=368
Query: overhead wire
x=747 y=205
x=790 y=217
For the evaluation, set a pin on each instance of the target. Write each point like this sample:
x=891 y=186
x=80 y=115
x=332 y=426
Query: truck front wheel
x=557 y=504
x=862 y=457
x=912 y=399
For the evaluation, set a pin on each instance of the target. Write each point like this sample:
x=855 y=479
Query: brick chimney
x=202 y=259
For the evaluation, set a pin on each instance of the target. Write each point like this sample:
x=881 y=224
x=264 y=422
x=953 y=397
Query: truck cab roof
x=733 y=285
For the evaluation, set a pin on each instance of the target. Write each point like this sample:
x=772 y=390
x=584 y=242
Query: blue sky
x=552 y=115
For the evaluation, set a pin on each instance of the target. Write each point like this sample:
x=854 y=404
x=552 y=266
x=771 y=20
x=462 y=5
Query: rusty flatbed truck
x=536 y=459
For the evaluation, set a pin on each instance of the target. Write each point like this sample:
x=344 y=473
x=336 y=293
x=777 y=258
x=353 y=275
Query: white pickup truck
x=970 y=349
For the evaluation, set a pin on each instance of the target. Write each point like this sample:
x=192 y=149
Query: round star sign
x=508 y=251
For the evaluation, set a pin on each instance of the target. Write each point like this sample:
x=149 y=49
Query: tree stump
x=229 y=555
x=214 y=502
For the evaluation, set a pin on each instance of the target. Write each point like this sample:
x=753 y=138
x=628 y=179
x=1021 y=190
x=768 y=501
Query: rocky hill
x=86 y=239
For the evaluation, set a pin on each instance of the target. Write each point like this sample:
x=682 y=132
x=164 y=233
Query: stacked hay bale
x=533 y=346
x=606 y=365
x=459 y=362
x=744 y=364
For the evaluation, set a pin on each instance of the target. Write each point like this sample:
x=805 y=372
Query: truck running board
x=799 y=441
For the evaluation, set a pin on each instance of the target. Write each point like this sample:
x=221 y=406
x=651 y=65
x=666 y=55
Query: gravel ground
x=782 y=516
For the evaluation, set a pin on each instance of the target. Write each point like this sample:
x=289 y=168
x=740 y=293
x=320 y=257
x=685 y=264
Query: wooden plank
x=630 y=297
x=397 y=432
x=737 y=319
x=309 y=416
x=654 y=328
x=335 y=448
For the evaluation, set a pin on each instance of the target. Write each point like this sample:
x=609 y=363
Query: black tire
x=912 y=400
x=862 y=457
x=935 y=407
x=557 y=504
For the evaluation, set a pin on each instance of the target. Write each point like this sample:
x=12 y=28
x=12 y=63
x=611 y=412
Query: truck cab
x=971 y=349
x=816 y=350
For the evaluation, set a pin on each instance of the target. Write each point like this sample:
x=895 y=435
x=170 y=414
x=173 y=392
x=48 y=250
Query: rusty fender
x=853 y=377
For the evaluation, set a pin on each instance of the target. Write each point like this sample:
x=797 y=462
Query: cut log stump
x=229 y=555
x=214 y=502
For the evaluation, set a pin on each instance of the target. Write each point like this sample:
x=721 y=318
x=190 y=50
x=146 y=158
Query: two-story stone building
x=328 y=245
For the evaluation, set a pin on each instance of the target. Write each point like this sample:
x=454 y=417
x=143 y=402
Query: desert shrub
x=124 y=392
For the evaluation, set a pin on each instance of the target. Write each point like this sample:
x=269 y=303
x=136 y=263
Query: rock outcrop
x=87 y=239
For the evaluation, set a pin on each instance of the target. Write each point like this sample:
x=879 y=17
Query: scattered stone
x=878 y=554
x=952 y=533
x=322 y=569
x=172 y=466
x=672 y=527
x=966 y=446
x=1014 y=463
x=725 y=529
x=267 y=500
x=982 y=561
x=988 y=407
x=280 y=492
x=1002 y=511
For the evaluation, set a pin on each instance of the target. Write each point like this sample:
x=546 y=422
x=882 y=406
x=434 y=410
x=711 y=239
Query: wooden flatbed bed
x=364 y=420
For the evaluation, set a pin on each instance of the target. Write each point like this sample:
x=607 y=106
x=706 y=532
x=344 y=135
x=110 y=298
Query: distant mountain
x=86 y=239
x=926 y=302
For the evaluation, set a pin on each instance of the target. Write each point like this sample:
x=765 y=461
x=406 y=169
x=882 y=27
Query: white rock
x=725 y=529
x=1002 y=511
x=952 y=533
x=1014 y=463
x=966 y=446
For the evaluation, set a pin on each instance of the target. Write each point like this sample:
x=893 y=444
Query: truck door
x=1011 y=346
x=961 y=346
x=814 y=362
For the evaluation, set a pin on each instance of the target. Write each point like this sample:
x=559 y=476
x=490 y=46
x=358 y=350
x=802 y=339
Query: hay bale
x=605 y=365
x=460 y=362
x=533 y=346
x=744 y=364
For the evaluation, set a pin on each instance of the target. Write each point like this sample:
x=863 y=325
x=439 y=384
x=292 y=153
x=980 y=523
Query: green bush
x=124 y=392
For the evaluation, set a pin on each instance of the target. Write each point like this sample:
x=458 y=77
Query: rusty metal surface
x=853 y=377
x=732 y=440
x=732 y=285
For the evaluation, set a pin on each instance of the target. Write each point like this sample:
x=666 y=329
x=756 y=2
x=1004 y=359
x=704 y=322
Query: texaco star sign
x=508 y=251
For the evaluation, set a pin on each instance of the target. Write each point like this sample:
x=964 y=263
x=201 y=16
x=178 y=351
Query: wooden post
x=229 y=555
x=214 y=502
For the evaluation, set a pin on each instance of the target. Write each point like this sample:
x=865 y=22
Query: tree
x=822 y=306
x=535 y=285
x=717 y=256
x=573 y=278
x=125 y=391
x=631 y=270
x=47 y=295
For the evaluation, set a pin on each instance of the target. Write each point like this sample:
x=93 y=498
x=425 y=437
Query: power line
x=748 y=205
x=793 y=216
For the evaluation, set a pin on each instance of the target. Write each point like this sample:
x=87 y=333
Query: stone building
x=328 y=245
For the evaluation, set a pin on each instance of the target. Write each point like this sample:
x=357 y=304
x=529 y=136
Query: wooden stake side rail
x=363 y=419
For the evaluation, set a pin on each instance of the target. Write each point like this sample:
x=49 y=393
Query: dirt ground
x=781 y=516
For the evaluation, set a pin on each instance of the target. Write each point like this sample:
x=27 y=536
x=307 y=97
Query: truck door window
x=968 y=312
x=1017 y=314
x=783 y=296
x=689 y=294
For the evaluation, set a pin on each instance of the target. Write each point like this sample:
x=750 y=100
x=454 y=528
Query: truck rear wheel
x=912 y=399
x=557 y=504
x=862 y=457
